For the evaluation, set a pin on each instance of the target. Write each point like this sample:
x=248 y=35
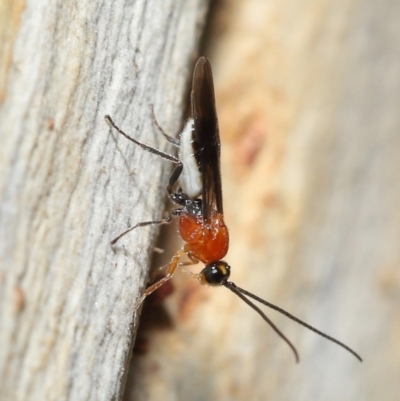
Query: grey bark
x=68 y=184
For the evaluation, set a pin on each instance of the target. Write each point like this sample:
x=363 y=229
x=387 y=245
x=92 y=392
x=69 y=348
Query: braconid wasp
x=195 y=187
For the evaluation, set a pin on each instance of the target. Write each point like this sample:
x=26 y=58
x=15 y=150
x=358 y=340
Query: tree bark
x=69 y=184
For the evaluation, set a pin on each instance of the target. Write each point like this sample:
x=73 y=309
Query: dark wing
x=206 y=137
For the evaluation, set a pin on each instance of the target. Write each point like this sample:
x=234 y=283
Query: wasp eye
x=215 y=273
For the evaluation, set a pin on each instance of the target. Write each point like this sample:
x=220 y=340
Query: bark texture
x=68 y=184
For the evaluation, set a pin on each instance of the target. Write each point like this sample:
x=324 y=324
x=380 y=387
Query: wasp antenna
x=237 y=290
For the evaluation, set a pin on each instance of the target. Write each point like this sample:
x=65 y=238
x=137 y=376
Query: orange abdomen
x=207 y=242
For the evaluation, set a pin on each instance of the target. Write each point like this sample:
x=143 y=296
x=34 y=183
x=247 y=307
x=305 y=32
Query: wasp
x=195 y=187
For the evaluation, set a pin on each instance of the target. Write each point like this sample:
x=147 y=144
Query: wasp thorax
x=216 y=273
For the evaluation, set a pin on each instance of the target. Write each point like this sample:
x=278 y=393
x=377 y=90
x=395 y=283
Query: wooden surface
x=68 y=184
x=308 y=99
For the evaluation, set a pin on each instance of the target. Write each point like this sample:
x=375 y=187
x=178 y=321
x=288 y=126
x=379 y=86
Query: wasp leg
x=178 y=164
x=148 y=148
x=156 y=271
x=193 y=261
x=173 y=264
x=174 y=141
x=165 y=220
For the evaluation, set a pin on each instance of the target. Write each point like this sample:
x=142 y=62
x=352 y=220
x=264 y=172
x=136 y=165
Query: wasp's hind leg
x=170 y=139
x=148 y=148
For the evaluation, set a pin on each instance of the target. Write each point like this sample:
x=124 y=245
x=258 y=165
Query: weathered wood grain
x=68 y=184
